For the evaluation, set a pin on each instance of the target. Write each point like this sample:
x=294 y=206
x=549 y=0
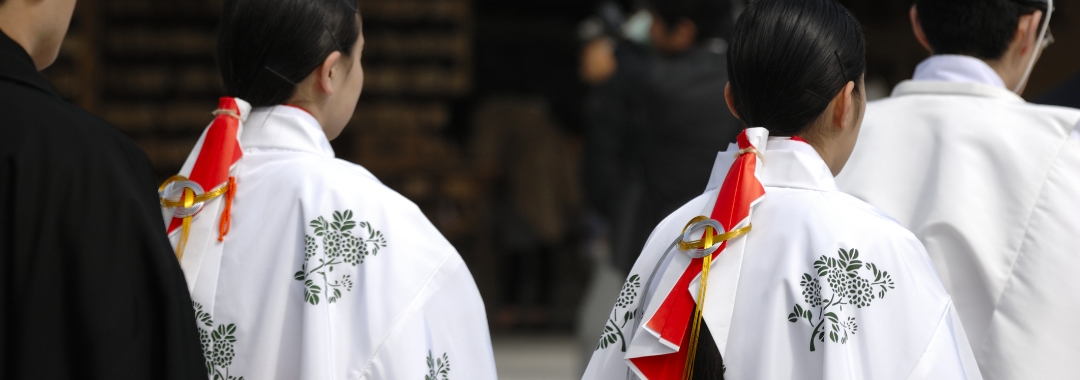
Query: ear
x=1027 y=32
x=916 y=27
x=327 y=72
x=843 y=105
x=730 y=101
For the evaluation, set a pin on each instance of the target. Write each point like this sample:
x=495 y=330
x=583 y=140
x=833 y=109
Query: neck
x=827 y=152
x=309 y=107
x=14 y=29
x=1007 y=71
x=24 y=25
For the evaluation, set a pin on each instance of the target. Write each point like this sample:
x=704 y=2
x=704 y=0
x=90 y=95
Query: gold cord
x=750 y=150
x=701 y=244
x=695 y=331
x=226 y=112
x=188 y=200
x=707 y=241
x=198 y=198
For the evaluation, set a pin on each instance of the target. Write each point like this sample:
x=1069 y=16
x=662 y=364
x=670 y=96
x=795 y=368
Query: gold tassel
x=695 y=330
x=189 y=200
x=706 y=242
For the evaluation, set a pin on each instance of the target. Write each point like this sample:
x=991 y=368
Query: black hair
x=978 y=28
x=712 y=18
x=265 y=47
x=788 y=59
x=708 y=363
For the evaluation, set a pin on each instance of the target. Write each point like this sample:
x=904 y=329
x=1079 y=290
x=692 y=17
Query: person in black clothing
x=89 y=285
x=1066 y=94
x=659 y=128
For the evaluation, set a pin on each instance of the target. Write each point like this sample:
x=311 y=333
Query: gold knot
x=222 y=111
x=199 y=197
x=750 y=150
x=709 y=240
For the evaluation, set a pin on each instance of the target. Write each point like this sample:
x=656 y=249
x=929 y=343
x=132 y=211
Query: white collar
x=957 y=68
x=284 y=128
x=920 y=87
x=787 y=163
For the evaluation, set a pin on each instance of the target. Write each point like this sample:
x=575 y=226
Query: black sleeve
x=89 y=287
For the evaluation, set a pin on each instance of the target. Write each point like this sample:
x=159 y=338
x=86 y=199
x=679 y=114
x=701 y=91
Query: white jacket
x=823 y=287
x=991 y=185
x=326 y=273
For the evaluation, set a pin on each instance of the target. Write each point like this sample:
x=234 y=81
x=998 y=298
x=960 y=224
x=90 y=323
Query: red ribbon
x=220 y=150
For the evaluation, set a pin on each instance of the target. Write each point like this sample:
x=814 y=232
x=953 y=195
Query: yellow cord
x=695 y=331
x=186 y=201
x=700 y=244
x=706 y=242
x=167 y=203
x=189 y=200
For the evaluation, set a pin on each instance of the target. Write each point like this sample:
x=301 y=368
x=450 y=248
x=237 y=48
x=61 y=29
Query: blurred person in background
x=654 y=123
x=787 y=278
x=614 y=62
x=987 y=181
x=661 y=122
x=530 y=169
x=89 y=287
x=301 y=265
x=614 y=56
x=1065 y=95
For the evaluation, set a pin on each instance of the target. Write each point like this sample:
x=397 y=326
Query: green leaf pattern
x=339 y=246
x=217 y=345
x=847 y=288
x=438 y=368
x=613 y=330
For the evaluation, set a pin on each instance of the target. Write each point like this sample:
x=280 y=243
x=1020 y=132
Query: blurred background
x=489 y=114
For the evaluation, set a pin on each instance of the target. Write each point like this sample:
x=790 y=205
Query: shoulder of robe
x=1054 y=119
x=853 y=214
x=326 y=185
x=38 y=127
x=332 y=189
x=343 y=181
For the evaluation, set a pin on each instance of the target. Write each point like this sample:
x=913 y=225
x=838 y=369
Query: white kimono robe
x=768 y=297
x=325 y=272
x=991 y=185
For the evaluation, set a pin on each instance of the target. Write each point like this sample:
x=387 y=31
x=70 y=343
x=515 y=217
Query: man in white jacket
x=988 y=182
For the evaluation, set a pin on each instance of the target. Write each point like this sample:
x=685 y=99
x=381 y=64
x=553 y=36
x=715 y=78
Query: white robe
x=764 y=302
x=991 y=185
x=394 y=300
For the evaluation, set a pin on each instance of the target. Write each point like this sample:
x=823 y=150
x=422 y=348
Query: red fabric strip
x=220 y=150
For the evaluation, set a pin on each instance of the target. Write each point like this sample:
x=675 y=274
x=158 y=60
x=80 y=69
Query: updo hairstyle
x=789 y=58
x=266 y=47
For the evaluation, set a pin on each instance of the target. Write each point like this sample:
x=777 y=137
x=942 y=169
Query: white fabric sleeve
x=947 y=356
x=1039 y=305
x=450 y=327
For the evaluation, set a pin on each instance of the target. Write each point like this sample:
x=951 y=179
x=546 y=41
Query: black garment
x=89 y=285
x=1065 y=95
x=613 y=146
x=689 y=123
x=612 y=172
x=665 y=127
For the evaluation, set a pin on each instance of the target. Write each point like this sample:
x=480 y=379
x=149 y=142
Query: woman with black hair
x=303 y=266
x=783 y=276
